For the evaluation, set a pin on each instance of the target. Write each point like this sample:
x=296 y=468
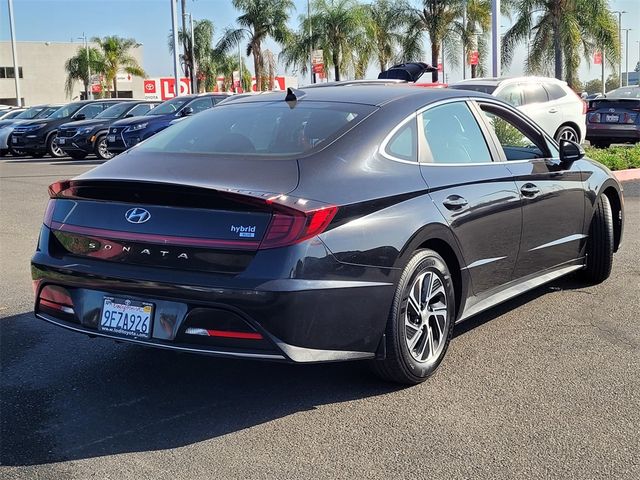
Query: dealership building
x=42 y=75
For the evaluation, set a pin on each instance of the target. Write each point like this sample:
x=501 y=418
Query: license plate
x=14 y=140
x=61 y=141
x=612 y=118
x=111 y=138
x=129 y=318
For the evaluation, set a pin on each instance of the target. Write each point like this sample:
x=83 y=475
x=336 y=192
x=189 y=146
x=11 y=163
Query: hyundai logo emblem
x=137 y=215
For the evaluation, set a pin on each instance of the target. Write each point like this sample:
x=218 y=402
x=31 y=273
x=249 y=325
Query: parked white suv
x=547 y=101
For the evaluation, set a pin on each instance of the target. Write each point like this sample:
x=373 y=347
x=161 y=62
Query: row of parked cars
x=101 y=127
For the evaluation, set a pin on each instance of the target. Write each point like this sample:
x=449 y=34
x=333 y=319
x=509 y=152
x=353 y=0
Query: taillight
x=584 y=107
x=292 y=223
x=629 y=118
x=594 y=118
x=57 y=188
x=56 y=298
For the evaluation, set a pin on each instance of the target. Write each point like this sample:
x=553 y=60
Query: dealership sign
x=597 y=58
x=474 y=57
x=164 y=88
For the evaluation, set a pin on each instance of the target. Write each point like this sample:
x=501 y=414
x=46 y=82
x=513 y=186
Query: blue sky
x=149 y=21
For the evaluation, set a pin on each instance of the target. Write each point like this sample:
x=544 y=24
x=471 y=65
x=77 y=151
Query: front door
x=477 y=196
x=552 y=194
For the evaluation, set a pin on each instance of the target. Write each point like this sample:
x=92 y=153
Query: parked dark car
x=79 y=139
x=7 y=125
x=126 y=133
x=39 y=136
x=337 y=223
x=614 y=118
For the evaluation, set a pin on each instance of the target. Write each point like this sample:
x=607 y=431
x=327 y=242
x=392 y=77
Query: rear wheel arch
x=440 y=239
x=572 y=125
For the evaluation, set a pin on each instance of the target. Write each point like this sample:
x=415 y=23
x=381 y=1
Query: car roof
x=367 y=94
x=504 y=80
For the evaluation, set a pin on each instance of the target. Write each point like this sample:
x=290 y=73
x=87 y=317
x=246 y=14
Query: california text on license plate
x=129 y=318
x=111 y=138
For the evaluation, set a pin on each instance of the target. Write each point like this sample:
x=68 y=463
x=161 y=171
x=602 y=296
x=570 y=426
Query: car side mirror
x=570 y=151
x=186 y=111
x=128 y=115
x=79 y=116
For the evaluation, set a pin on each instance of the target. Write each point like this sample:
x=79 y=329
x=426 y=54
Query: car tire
x=567 y=133
x=3 y=152
x=100 y=148
x=52 y=147
x=600 y=243
x=403 y=363
x=77 y=155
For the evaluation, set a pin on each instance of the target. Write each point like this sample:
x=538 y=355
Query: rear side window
x=92 y=110
x=512 y=94
x=404 y=144
x=453 y=135
x=260 y=129
x=201 y=104
x=535 y=94
x=555 y=91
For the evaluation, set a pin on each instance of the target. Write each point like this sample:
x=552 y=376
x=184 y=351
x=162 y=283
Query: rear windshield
x=624 y=92
x=260 y=129
x=475 y=88
x=170 y=106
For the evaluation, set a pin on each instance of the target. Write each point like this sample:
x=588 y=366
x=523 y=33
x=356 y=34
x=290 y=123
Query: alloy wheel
x=569 y=134
x=426 y=318
x=55 y=148
x=103 y=151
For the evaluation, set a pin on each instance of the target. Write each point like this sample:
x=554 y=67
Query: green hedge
x=616 y=158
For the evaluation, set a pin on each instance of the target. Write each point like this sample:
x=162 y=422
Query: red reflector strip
x=230 y=334
x=55 y=306
x=156 y=238
x=224 y=333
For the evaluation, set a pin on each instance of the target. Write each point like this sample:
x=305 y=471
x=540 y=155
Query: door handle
x=529 y=190
x=553 y=110
x=454 y=202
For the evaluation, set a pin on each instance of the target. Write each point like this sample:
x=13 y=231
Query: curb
x=627 y=175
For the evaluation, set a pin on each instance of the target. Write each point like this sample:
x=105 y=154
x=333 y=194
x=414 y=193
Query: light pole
x=311 y=74
x=626 y=54
x=464 y=33
x=176 y=60
x=192 y=69
x=88 y=93
x=14 y=51
x=495 y=37
x=620 y=12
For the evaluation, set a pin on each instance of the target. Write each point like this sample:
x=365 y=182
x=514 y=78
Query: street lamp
x=88 y=92
x=176 y=61
x=626 y=53
x=194 y=87
x=620 y=12
x=14 y=51
x=495 y=37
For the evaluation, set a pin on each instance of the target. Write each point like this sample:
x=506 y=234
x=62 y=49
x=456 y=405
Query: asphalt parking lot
x=547 y=385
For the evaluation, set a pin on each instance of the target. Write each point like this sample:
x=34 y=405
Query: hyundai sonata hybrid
x=324 y=224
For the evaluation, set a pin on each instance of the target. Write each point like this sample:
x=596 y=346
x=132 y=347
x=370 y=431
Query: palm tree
x=202 y=49
x=78 y=66
x=476 y=24
x=338 y=29
x=115 y=51
x=563 y=31
x=438 y=18
x=260 y=19
x=224 y=65
x=386 y=28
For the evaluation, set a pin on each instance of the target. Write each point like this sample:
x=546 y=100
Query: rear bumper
x=300 y=320
x=613 y=133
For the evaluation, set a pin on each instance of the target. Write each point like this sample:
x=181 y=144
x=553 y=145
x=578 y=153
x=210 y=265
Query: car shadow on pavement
x=65 y=396
x=570 y=282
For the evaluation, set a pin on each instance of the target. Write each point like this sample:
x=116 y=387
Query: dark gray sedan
x=615 y=118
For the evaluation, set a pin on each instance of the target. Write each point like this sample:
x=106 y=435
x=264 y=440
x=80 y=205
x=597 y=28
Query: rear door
x=477 y=196
x=537 y=106
x=552 y=194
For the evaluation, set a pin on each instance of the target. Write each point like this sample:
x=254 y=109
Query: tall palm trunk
x=335 y=57
x=257 y=64
x=115 y=88
x=187 y=41
x=474 y=69
x=557 y=44
x=435 y=54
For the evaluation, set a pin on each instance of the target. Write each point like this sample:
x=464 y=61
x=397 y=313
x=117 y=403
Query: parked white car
x=547 y=101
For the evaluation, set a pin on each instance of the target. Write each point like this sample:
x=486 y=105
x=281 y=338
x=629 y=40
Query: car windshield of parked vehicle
x=624 y=92
x=66 y=111
x=12 y=115
x=489 y=89
x=115 y=111
x=47 y=112
x=30 y=113
x=260 y=129
x=170 y=106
